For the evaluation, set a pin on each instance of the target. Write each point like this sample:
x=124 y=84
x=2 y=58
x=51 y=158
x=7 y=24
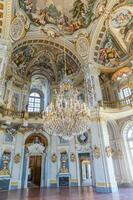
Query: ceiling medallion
x=66 y=116
x=18 y=28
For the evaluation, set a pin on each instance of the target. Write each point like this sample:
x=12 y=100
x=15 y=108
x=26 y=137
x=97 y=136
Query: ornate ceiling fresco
x=45 y=59
x=116 y=44
x=68 y=16
x=99 y=30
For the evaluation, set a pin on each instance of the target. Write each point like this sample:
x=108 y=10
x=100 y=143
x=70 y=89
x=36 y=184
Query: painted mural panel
x=67 y=15
x=121 y=26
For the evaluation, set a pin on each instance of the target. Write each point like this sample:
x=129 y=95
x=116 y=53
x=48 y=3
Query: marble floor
x=83 y=193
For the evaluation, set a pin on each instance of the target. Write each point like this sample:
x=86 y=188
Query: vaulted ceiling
x=99 y=31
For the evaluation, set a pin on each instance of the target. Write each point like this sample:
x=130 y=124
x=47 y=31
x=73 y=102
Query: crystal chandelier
x=66 y=116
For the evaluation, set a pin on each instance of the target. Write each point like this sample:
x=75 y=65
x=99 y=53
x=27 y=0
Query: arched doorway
x=34 y=161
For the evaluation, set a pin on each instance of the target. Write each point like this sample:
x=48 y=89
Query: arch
x=36 y=131
x=113 y=129
x=45 y=138
x=42 y=139
x=124 y=130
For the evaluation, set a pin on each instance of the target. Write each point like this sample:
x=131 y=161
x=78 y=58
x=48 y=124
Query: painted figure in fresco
x=121 y=18
x=46 y=12
x=107 y=52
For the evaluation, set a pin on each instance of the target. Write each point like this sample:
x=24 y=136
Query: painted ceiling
x=112 y=45
x=35 y=59
x=67 y=15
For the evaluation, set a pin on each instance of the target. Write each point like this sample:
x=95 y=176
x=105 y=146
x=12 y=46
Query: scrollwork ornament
x=53 y=158
x=96 y=152
x=18 y=28
x=82 y=46
x=73 y=157
x=17 y=158
x=108 y=151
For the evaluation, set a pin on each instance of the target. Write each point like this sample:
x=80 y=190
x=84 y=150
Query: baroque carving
x=17 y=158
x=53 y=158
x=73 y=157
x=108 y=151
x=82 y=46
x=19 y=27
x=35 y=149
x=96 y=152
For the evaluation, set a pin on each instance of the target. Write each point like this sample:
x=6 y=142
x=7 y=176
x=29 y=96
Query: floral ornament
x=17 y=158
x=96 y=152
x=108 y=151
x=72 y=157
x=54 y=158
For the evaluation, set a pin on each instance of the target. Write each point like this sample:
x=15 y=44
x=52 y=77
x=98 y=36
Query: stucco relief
x=19 y=27
x=82 y=46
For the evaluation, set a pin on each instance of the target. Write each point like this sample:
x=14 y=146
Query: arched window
x=34 y=102
x=130 y=142
x=125 y=92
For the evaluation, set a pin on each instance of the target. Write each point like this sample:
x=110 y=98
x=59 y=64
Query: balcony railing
x=21 y=115
x=126 y=102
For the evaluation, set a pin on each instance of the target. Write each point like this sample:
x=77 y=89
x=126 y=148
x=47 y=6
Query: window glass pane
x=130 y=133
x=37 y=100
x=131 y=152
x=131 y=144
x=34 y=94
x=31 y=104
x=34 y=102
x=31 y=99
x=125 y=92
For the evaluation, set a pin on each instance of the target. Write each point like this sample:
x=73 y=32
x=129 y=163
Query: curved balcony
x=4 y=113
x=124 y=103
x=37 y=117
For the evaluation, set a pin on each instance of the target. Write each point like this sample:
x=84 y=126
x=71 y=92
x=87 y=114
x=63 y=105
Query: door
x=85 y=169
x=34 y=172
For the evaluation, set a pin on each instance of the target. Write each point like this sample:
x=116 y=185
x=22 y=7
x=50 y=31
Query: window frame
x=34 y=103
x=124 y=93
x=128 y=143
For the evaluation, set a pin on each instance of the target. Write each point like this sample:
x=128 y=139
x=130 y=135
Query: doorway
x=34 y=171
x=85 y=169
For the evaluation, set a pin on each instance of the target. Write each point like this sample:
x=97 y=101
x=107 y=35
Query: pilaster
x=17 y=163
x=92 y=84
x=103 y=164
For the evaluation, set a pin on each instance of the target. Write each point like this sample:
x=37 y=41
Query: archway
x=34 y=161
x=127 y=131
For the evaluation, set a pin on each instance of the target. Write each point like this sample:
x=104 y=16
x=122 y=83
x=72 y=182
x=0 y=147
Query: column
x=102 y=158
x=73 y=163
x=3 y=66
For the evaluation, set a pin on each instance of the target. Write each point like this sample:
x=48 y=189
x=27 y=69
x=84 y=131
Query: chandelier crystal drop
x=66 y=116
